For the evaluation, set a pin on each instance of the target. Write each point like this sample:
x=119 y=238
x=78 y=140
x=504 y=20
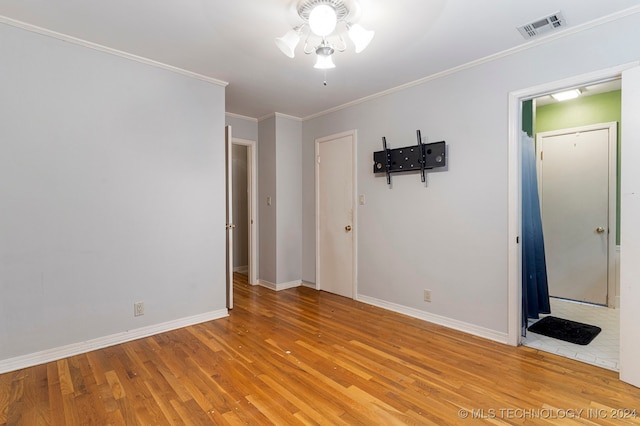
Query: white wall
x=279 y=171
x=449 y=236
x=267 y=188
x=289 y=220
x=242 y=127
x=111 y=181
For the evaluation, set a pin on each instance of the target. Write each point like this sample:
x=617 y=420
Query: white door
x=630 y=229
x=229 y=225
x=573 y=173
x=335 y=214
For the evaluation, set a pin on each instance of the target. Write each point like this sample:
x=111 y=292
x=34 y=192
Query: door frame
x=612 y=127
x=514 y=183
x=630 y=230
x=252 y=182
x=228 y=138
x=354 y=182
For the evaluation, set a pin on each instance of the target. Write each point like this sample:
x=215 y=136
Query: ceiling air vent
x=541 y=26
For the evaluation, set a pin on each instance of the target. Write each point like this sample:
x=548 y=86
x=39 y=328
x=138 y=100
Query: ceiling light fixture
x=322 y=26
x=565 y=96
x=324 y=52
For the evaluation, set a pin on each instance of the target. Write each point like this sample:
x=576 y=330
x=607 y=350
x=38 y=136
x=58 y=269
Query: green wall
x=602 y=108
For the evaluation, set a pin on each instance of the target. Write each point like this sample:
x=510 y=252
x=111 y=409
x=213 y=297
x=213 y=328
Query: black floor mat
x=567 y=330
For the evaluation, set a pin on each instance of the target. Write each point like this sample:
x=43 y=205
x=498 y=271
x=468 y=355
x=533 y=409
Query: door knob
x=231 y=226
x=599 y=229
x=347 y=228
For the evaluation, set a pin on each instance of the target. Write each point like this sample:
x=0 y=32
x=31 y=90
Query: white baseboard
x=309 y=284
x=267 y=284
x=241 y=269
x=37 y=358
x=281 y=286
x=437 y=319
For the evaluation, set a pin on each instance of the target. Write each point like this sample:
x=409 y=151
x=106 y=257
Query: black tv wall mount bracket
x=410 y=158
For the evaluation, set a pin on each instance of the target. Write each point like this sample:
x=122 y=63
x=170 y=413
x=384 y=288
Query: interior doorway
x=576 y=175
x=244 y=170
x=630 y=226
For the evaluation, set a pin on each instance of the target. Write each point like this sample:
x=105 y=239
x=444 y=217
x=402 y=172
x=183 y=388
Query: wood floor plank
x=5 y=397
x=64 y=377
x=191 y=413
x=36 y=396
x=55 y=394
x=305 y=357
x=300 y=400
x=16 y=401
x=163 y=398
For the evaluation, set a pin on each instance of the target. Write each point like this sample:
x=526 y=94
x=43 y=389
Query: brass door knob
x=347 y=228
x=599 y=229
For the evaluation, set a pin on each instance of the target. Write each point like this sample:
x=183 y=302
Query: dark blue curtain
x=535 y=289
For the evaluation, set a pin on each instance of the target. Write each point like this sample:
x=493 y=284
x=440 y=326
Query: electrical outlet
x=427 y=295
x=138 y=309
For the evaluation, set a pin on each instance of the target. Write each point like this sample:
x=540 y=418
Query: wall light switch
x=362 y=201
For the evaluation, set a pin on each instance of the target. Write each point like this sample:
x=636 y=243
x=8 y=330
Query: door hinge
x=517 y=240
x=541 y=155
x=318 y=159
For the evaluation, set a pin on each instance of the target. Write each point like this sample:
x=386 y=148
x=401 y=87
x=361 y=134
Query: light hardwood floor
x=305 y=357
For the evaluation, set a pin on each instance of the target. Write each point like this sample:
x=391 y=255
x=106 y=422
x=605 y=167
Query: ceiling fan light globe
x=360 y=37
x=323 y=20
x=288 y=42
x=324 y=62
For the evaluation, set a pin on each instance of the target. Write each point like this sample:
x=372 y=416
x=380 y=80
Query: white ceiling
x=233 y=41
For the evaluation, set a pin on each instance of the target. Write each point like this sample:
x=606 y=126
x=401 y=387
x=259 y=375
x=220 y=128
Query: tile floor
x=603 y=351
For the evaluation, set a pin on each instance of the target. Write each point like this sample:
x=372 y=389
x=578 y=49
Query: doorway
x=630 y=209
x=244 y=208
x=248 y=177
x=576 y=174
x=335 y=214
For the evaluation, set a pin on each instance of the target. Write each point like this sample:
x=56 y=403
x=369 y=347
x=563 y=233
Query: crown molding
x=520 y=48
x=288 y=117
x=280 y=115
x=105 y=49
x=240 y=117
